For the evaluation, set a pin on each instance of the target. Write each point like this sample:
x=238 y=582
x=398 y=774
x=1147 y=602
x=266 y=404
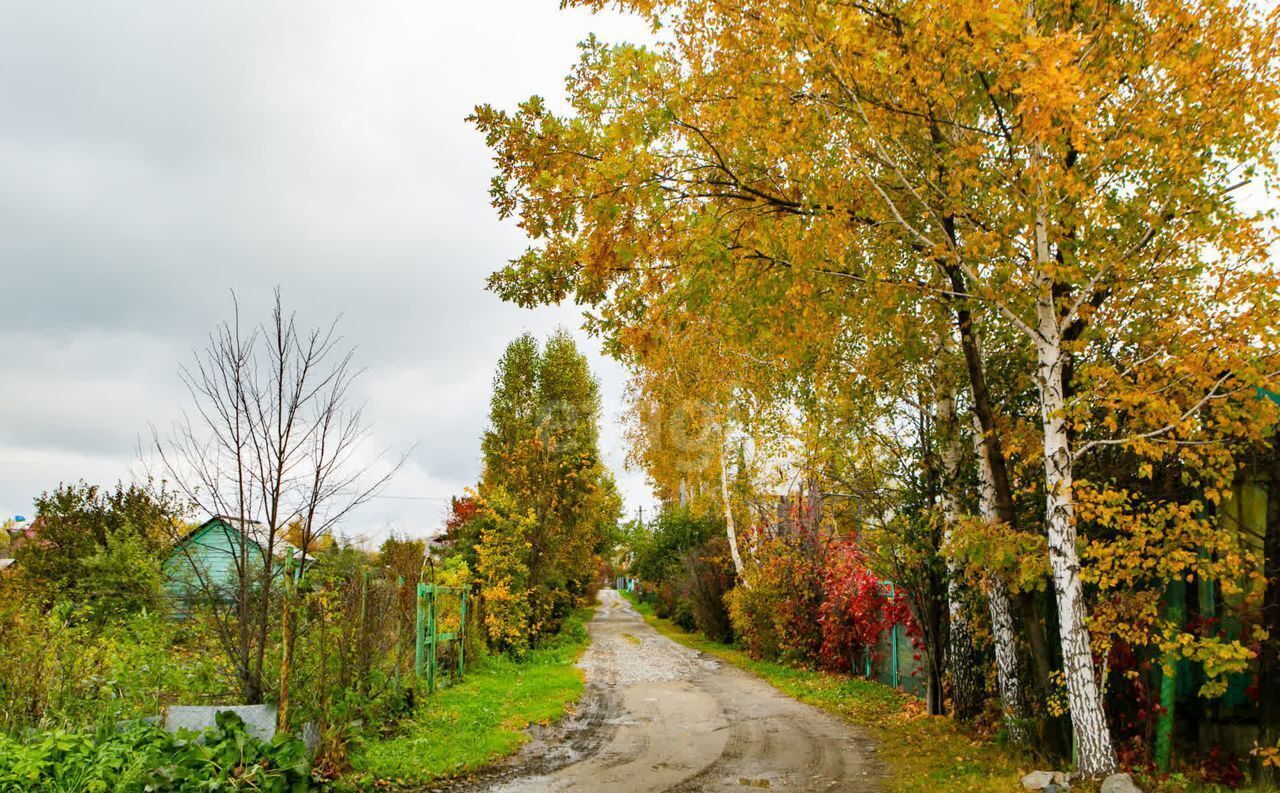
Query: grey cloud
x=156 y=156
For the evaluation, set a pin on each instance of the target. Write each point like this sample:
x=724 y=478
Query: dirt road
x=658 y=716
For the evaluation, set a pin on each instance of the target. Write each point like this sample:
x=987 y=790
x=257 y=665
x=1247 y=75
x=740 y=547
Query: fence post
x=286 y=647
x=431 y=630
x=1175 y=612
x=893 y=598
x=362 y=654
x=420 y=629
x=399 y=614
x=462 y=629
x=364 y=599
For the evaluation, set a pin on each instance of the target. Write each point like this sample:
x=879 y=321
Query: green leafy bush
x=145 y=758
x=659 y=546
x=226 y=756
x=100 y=546
x=684 y=560
x=63 y=671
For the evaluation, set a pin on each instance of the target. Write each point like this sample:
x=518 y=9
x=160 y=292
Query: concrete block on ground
x=260 y=720
x=311 y=735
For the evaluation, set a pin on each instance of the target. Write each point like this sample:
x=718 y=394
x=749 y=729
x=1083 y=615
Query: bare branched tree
x=270 y=443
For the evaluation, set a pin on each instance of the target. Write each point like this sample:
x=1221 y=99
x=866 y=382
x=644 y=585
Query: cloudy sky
x=155 y=156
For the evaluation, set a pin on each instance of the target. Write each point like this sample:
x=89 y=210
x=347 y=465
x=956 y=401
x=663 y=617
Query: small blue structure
x=206 y=562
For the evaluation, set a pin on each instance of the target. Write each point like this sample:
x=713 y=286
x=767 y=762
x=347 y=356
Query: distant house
x=12 y=536
x=440 y=544
x=206 y=560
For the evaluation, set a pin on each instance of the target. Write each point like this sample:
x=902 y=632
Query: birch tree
x=965 y=667
x=1012 y=702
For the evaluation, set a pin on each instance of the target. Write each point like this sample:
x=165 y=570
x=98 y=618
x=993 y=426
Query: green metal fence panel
x=429 y=637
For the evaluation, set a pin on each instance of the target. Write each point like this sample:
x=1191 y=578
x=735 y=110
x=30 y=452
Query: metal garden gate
x=429 y=637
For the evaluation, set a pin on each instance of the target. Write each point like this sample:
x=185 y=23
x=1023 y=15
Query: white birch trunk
x=1095 y=755
x=728 y=520
x=1013 y=705
x=965 y=675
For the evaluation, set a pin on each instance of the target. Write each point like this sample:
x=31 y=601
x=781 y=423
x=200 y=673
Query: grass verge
x=482 y=719
x=920 y=752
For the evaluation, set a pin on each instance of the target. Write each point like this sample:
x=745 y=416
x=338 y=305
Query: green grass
x=482 y=719
x=920 y=752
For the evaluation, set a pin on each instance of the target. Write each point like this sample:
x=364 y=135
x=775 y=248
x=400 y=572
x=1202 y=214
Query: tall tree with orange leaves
x=1066 y=170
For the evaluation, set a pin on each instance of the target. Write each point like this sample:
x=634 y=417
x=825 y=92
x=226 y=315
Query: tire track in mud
x=734 y=751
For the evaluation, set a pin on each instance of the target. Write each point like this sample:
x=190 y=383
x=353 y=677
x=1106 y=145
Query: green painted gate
x=433 y=613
